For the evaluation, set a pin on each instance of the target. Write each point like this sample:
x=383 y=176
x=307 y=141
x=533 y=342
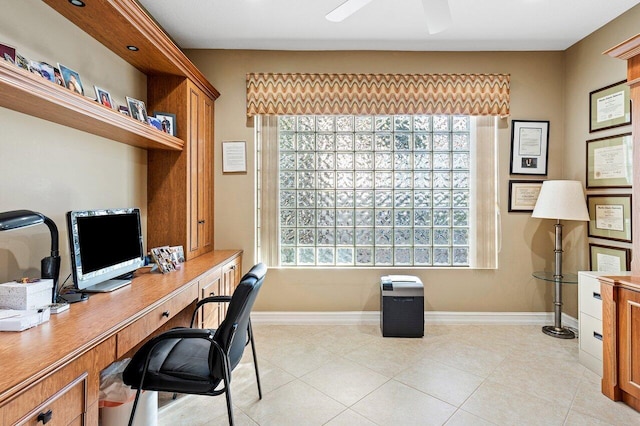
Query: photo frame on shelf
x=8 y=53
x=234 y=157
x=104 y=97
x=168 y=122
x=137 y=110
x=71 y=79
x=610 y=162
x=523 y=195
x=609 y=259
x=610 y=107
x=529 y=147
x=610 y=217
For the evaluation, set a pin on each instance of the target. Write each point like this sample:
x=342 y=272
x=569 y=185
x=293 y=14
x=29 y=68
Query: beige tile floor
x=455 y=375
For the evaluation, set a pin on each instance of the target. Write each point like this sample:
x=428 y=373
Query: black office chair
x=197 y=361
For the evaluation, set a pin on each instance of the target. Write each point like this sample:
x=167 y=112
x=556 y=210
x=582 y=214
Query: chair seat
x=177 y=365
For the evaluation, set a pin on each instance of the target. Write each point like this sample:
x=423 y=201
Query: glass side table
x=557 y=330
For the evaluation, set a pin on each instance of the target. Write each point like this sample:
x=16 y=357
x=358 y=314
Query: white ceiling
x=382 y=24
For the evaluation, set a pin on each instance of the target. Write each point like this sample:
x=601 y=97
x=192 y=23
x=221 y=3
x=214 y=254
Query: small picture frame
x=167 y=121
x=71 y=79
x=234 y=157
x=529 y=147
x=47 y=71
x=610 y=217
x=22 y=62
x=610 y=162
x=58 y=77
x=8 y=53
x=137 y=110
x=155 y=122
x=610 y=107
x=523 y=195
x=104 y=97
x=609 y=259
x=124 y=110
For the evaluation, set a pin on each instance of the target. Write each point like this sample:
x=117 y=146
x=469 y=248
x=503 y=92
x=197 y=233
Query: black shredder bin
x=401 y=306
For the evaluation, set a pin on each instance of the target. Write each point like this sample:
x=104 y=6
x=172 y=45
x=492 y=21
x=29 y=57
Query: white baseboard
x=430 y=317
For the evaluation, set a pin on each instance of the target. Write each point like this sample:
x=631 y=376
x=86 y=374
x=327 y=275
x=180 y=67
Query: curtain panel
x=359 y=94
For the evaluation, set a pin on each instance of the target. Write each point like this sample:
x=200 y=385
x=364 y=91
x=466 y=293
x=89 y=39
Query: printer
x=401 y=306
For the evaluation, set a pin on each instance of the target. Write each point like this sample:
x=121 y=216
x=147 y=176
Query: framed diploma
x=529 y=147
x=234 y=157
x=523 y=195
x=610 y=107
x=610 y=217
x=610 y=162
x=609 y=259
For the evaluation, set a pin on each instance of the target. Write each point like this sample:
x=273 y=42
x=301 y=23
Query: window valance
x=472 y=94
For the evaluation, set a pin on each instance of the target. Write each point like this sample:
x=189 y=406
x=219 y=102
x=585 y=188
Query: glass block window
x=374 y=191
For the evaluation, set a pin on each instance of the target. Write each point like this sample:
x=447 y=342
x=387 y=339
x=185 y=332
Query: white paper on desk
x=24 y=320
x=8 y=313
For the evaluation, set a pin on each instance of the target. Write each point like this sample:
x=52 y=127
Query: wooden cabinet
x=210 y=314
x=231 y=274
x=180 y=184
x=629 y=343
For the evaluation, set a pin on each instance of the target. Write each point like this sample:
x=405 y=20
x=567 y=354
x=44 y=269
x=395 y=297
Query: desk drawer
x=591 y=335
x=139 y=330
x=590 y=300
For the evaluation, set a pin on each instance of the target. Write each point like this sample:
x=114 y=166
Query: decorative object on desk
x=137 y=110
x=177 y=254
x=610 y=107
x=523 y=195
x=168 y=122
x=610 y=162
x=234 y=157
x=560 y=200
x=71 y=79
x=104 y=97
x=162 y=256
x=50 y=266
x=529 y=147
x=26 y=295
x=609 y=259
x=610 y=217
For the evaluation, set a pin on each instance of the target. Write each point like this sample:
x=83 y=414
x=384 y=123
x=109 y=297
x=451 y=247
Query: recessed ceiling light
x=78 y=3
x=133 y=48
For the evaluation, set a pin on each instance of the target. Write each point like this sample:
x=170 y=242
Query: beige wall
x=53 y=169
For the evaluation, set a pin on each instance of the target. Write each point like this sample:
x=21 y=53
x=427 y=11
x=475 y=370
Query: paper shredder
x=401 y=306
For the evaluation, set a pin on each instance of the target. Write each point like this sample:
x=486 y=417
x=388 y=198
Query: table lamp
x=50 y=266
x=560 y=200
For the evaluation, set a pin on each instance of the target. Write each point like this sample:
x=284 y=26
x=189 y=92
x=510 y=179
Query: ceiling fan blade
x=346 y=9
x=438 y=15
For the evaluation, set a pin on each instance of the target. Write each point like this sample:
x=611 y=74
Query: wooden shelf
x=31 y=94
x=123 y=23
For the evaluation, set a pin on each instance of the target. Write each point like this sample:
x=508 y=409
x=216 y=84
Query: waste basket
x=116 y=399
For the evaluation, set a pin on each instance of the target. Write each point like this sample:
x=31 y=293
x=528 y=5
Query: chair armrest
x=210 y=299
x=185 y=333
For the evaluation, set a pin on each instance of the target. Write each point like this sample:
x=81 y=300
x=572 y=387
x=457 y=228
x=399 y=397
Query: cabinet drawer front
x=590 y=300
x=139 y=330
x=61 y=409
x=591 y=335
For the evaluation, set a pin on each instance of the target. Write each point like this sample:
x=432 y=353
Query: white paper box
x=21 y=320
x=26 y=296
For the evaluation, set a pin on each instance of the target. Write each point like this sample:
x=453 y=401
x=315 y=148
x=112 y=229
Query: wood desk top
x=32 y=354
x=630 y=282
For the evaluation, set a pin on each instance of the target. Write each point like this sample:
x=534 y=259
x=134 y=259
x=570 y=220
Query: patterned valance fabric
x=472 y=94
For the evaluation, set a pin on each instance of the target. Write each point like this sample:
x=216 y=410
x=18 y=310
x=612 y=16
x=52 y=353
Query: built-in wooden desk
x=53 y=370
x=621 y=338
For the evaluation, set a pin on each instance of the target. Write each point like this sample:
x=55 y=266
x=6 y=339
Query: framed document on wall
x=610 y=162
x=610 y=217
x=523 y=195
x=609 y=259
x=610 y=107
x=529 y=147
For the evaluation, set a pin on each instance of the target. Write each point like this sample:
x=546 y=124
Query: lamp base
x=559 y=332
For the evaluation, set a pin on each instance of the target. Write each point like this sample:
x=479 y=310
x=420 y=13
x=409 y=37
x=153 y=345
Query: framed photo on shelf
x=610 y=107
x=71 y=79
x=168 y=122
x=529 y=147
x=610 y=216
x=523 y=195
x=609 y=259
x=137 y=110
x=103 y=97
x=610 y=162
x=234 y=157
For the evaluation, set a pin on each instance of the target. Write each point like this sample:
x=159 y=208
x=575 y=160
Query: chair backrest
x=238 y=312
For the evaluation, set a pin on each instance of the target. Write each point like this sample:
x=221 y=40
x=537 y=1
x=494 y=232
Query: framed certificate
x=610 y=162
x=610 y=107
x=609 y=259
x=529 y=147
x=234 y=157
x=523 y=195
x=610 y=217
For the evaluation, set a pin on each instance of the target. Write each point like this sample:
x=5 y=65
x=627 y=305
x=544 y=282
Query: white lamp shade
x=561 y=199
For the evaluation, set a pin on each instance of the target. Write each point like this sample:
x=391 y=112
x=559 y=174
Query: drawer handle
x=45 y=417
x=213 y=293
x=166 y=314
x=597 y=296
x=597 y=335
x=201 y=221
